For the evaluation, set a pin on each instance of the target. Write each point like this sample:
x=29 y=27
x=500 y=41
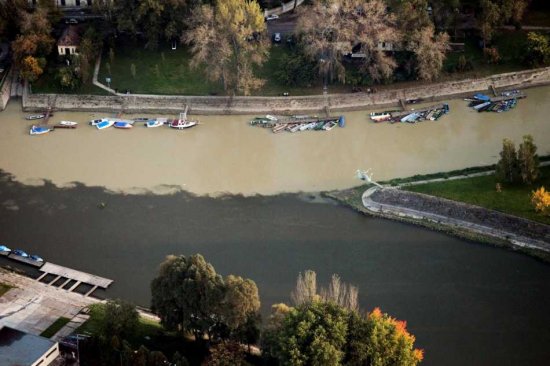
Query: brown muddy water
x=226 y=155
x=467 y=303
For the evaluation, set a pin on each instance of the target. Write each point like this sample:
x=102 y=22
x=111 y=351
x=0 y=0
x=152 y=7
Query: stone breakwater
x=515 y=232
x=139 y=103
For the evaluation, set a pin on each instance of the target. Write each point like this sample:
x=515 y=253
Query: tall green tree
x=538 y=49
x=489 y=17
x=528 y=160
x=224 y=40
x=187 y=295
x=507 y=169
x=120 y=319
x=241 y=300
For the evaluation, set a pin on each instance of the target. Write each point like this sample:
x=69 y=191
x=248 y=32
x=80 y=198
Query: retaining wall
x=253 y=105
x=5 y=91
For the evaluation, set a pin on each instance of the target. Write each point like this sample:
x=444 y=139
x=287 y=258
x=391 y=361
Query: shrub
x=540 y=200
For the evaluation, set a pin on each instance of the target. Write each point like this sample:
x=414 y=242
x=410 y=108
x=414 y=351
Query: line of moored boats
x=297 y=123
x=103 y=123
x=432 y=113
x=503 y=103
x=21 y=255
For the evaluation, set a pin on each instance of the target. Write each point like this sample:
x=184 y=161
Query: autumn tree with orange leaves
x=322 y=331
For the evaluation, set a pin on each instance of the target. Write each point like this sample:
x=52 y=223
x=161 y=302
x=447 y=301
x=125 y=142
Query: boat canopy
x=483 y=97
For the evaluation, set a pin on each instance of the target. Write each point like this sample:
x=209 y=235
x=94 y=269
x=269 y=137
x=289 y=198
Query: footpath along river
x=467 y=304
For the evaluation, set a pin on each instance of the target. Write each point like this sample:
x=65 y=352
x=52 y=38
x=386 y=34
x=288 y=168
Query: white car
x=277 y=37
x=272 y=17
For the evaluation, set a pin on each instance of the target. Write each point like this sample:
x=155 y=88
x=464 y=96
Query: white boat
x=95 y=122
x=35 y=116
x=295 y=128
x=155 y=122
x=271 y=118
x=311 y=126
x=181 y=124
x=68 y=123
x=330 y=125
x=104 y=124
x=39 y=130
x=380 y=116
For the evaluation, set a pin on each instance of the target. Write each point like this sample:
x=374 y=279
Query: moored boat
x=279 y=127
x=20 y=253
x=329 y=125
x=123 y=125
x=154 y=123
x=35 y=116
x=104 y=124
x=66 y=124
x=36 y=258
x=4 y=250
x=40 y=130
x=181 y=124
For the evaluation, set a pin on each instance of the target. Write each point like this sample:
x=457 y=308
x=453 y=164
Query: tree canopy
x=228 y=39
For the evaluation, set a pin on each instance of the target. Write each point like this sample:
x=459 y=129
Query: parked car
x=71 y=21
x=277 y=37
x=272 y=17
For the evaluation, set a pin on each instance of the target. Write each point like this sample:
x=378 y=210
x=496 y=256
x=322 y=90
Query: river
x=466 y=303
x=225 y=155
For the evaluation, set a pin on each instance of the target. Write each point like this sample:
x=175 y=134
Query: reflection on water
x=224 y=154
x=468 y=304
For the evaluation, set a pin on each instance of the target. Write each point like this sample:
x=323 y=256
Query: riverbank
x=140 y=103
x=455 y=218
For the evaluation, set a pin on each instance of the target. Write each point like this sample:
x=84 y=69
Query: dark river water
x=467 y=304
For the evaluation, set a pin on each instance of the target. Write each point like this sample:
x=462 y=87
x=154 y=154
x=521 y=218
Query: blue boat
x=20 y=253
x=36 y=258
x=341 y=121
x=4 y=249
x=104 y=124
x=39 y=130
x=123 y=125
x=482 y=97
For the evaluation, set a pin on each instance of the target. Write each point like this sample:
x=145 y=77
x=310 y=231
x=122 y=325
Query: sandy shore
x=225 y=155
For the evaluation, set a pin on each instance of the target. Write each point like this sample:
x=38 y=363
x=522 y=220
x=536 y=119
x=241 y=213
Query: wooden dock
x=73 y=275
x=24 y=260
x=520 y=95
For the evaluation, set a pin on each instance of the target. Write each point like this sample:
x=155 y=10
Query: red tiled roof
x=70 y=37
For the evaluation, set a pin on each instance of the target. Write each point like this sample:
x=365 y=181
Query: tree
x=306 y=288
x=538 y=49
x=378 y=339
x=528 y=160
x=187 y=295
x=232 y=32
x=340 y=293
x=241 y=300
x=329 y=30
x=68 y=78
x=507 y=169
x=429 y=50
x=226 y=353
x=540 y=199
x=31 y=68
x=120 y=319
x=488 y=19
x=313 y=334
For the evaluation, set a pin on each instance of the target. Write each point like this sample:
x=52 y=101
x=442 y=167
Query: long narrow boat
x=279 y=127
x=329 y=125
x=66 y=124
x=35 y=116
x=40 y=130
x=482 y=106
x=104 y=124
x=380 y=116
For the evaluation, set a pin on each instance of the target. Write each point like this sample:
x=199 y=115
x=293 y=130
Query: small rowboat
x=154 y=123
x=104 y=124
x=329 y=125
x=122 y=125
x=35 y=116
x=180 y=124
x=66 y=124
x=95 y=122
x=40 y=130
x=279 y=127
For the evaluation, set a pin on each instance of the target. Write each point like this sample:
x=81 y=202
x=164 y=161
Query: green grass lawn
x=55 y=327
x=4 y=288
x=480 y=191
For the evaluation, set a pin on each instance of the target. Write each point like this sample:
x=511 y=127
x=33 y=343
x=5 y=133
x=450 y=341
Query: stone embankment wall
x=254 y=105
x=5 y=91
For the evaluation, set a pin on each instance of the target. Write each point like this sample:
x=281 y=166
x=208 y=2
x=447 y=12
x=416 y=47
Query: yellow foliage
x=541 y=201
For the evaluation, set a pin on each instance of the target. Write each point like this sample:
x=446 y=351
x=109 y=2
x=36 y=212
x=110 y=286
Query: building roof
x=21 y=349
x=70 y=37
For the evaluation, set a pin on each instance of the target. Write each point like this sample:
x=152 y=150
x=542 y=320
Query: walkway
x=520 y=233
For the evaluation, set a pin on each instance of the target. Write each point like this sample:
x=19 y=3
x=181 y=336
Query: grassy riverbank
x=480 y=191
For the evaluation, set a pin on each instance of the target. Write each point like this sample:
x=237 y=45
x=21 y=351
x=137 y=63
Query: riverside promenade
x=508 y=230
x=140 y=103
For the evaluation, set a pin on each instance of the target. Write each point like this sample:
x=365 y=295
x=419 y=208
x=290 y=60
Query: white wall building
x=68 y=3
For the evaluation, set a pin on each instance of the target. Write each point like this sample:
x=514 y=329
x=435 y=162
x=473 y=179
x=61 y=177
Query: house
x=18 y=348
x=68 y=3
x=69 y=42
